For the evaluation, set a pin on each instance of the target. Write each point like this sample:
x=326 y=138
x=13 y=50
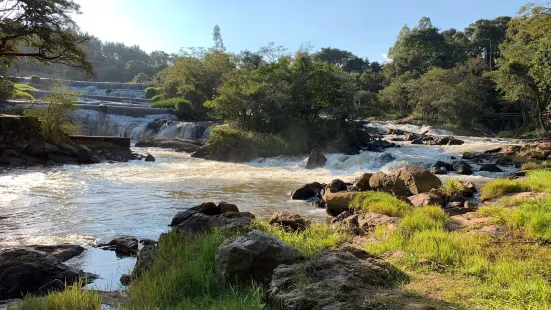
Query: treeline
x=493 y=75
x=111 y=61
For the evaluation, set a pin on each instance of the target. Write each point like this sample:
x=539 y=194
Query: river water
x=94 y=203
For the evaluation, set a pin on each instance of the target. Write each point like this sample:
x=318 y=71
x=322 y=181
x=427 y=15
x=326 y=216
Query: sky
x=367 y=28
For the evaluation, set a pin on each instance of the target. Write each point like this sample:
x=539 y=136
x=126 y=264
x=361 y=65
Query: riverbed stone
x=145 y=260
x=316 y=160
x=62 y=252
x=389 y=183
x=337 y=185
x=207 y=208
x=490 y=168
x=253 y=256
x=192 y=222
x=25 y=271
x=334 y=279
x=289 y=221
x=426 y=199
x=336 y=203
x=226 y=207
x=462 y=167
x=370 y=221
x=362 y=183
x=124 y=245
x=149 y=158
x=307 y=191
x=418 y=180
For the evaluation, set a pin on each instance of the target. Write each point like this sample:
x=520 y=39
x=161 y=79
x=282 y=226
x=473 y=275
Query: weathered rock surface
x=307 y=191
x=145 y=259
x=362 y=183
x=462 y=167
x=289 y=221
x=124 y=245
x=62 y=252
x=336 y=203
x=253 y=257
x=389 y=183
x=426 y=199
x=178 y=145
x=149 y=158
x=418 y=180
x=338 y=279
x=316 y=160
x=192 y=222
x=25 y=271
x=336 y=185
x=490 y=168
x=369 y=221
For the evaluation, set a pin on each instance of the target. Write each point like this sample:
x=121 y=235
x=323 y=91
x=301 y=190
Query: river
x=94 y=203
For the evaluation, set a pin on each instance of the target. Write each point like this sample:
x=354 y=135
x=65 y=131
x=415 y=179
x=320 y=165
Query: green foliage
x=259 y=144
x=35 y=79
x=182 y=106
x=382 y=203
x=535 y=165
x=55 y=115
x=72 y=298
x=313 y=239
x=151 y=92
x=452 y=186
x=531 y=215
x=536 y=181
x=140 y=78
x=158 y=98
x=18 y=94
x=6 y=89
x=183 y=277
x=425 y=218
x=24 y=87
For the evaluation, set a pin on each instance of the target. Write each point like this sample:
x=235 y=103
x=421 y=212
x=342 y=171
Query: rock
x=316 y=160
x=462 y=167
x=227 y=207
x=449 y=141
x=145 y=260
x=410 y=136
x=490 y=168
x=469 y=185
x=334 y=279
x=362 y=183
x=149 y=157
x=458 y=197
x=394 y=131
x=494 y=150
x=440 y=164
x=202 y=152
x=193 y=222
x=385 y=158
x=26 y=271
x=289 y=221
x=426 y=199
x=438 y=170
x=207 y=208
x=471 y=155
x=337 y=186
x=307 y=191
x=85 y=155
x=178 y=145
x=458 y=208
x=146 y=241
x=389 y=183
x=62 y=252
x=417 y=141
x=62 y=159
x=253 y=256
x=341 y=217
x=54 y=286
x=369 y=221
x=336 y=203
x=418 y=180
x=126 y=279
x=125 y=245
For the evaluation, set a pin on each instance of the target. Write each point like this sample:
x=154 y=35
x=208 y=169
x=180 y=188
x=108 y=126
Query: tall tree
x=217 y=38
x=485 y=36
x=43 y=31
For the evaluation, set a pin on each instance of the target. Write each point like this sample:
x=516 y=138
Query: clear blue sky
x=365 y=27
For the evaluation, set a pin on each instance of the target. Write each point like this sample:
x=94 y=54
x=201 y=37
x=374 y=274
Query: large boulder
x=289 y=221
x=253 y=256
x=145 y=260
x=25 y=271
x=336 y=279
x=389 y=183
x=62 y=252
x=440 y=164
x=124 y=246
x=192 y=222
x=362 y=183
x=307 y=191
x=418 y=180
x=462 y=167
x=336 y=203
x=426 y=199
x=316 y=160
x=490 y=168
x=449 y=141
x=370 y=221
x=336 y=186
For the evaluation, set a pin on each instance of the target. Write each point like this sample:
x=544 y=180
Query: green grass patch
x=254 y=143
x=425 y=218
x=313 y=239
x=452 y=186
x=535 y=181
x=382 y=203
x=535 y=165
x=183 y=277
x=166 y=103
x=18 y=94
x=72 y=298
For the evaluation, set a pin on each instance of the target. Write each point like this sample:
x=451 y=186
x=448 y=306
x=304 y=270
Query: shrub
x=151 y=92
x=182 y=106
x=35 y=79
x=158 y=98
x=382 y=203
x=18 y=94
x=316 y=236
x=452 y=186
x=6 y=89
x=55 y=116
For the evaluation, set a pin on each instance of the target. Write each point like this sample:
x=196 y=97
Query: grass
x=532 y=216
x=151 y=92
x=535 y=165
x=24 y=87
x=535 y=181
x=315 y=238
x=382 y=203
x=452 y=186
x=166 y=103
x=72 y=298
x=425 y=218
x=183 y=277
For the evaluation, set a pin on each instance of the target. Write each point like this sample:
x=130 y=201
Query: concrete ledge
x=94 y=141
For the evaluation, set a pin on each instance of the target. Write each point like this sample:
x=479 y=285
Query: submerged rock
x=316 y=160
x=149 y=157
x=124 y=246
x=253 y=256
x=462 y=167
x=490 y=168
x=26 y=271
x=336 y=279
x=307 y=191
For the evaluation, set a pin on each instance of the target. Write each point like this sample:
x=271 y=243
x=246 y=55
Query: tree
x=341 y=58
x=524 y=75
x=485 y=36
x=217 y=38
x=42 y=31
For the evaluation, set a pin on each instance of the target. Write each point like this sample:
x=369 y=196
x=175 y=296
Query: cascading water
x=411 y=128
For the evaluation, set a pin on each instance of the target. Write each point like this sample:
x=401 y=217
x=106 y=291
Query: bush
x=151 y=92
x=382 y=203
x=18 y=94
x=182 y=106
x=35 y=79
x=6 y=89
x=158 y=98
